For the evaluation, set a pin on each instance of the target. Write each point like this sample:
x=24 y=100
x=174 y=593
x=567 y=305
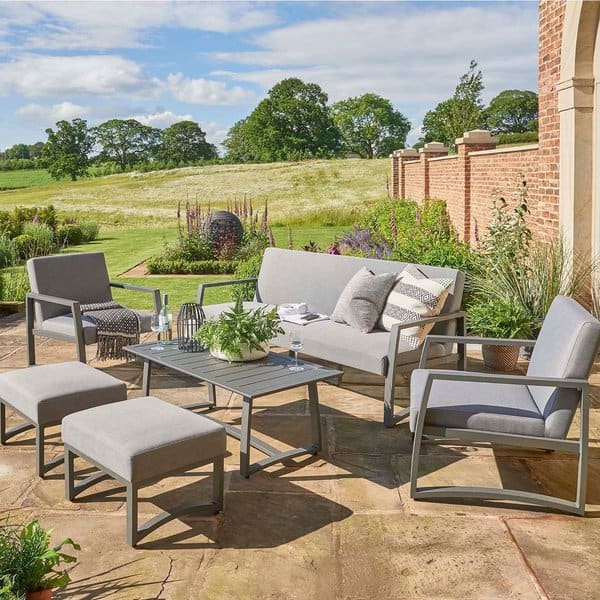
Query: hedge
x=159 y=266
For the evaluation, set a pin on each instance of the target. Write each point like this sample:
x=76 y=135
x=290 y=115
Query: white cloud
x=48 y=115
x=108 y=76
x=405 y=54
x=206 y=91
x=47 y=76
x=160 y=119
x=103 y=25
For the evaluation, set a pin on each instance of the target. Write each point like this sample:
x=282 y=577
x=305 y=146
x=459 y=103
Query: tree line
x=295 y=121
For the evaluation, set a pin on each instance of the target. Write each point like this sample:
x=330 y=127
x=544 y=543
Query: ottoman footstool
x=138 y=443
x=44 y=395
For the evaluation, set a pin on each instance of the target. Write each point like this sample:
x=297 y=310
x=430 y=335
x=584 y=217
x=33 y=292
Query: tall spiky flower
x=290 y=240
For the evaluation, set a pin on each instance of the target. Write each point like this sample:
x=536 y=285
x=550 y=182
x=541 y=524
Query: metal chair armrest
x=463 y=340
x=74 y=305
x=203 y=286
x=139 y=288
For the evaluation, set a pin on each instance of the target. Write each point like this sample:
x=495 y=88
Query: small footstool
x=140 y=442
x=43 y=395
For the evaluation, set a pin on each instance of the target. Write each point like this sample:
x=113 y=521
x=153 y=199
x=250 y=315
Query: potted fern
x=500 y=318
x=29 y=565
x=238 y=334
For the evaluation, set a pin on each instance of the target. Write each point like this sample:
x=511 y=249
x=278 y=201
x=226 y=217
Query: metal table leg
x=146 y=377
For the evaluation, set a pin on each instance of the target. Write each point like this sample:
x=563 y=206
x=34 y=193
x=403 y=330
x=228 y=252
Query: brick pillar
x=399 y=158
x=472 y=141
x=430 y=150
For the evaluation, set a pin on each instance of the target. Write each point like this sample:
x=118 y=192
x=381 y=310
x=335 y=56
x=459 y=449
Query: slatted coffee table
x=250 y=380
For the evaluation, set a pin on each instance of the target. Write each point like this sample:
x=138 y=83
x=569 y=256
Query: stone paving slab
x=340 y=525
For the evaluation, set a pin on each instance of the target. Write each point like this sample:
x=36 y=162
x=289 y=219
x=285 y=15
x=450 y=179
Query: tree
x=292 y=123
x=463 y=112
x=185 y=142
x=369 y=125
x=67 y=150
x=513 y=111
x=18 y=151
x=126 y=142
x=237 y=143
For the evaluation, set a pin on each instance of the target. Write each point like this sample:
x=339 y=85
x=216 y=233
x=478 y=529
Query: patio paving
x=337 y=526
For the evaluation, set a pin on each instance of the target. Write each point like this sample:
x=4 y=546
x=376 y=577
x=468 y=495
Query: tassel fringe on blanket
x=116 y=327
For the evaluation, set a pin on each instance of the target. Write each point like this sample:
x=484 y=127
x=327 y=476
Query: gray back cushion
x=566 y=348
x=316 y=278
x=81 y=277
x=361 y=302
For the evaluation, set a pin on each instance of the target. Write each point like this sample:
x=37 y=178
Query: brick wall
x=467 y=181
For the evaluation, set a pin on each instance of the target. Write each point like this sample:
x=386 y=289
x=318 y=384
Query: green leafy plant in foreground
x=238 y=327
x=27 y=560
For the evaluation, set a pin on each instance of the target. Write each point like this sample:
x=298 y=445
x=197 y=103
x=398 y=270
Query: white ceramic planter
x=247 y=354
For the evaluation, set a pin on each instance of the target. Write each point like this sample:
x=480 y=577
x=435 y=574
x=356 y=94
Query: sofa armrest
x=397 y=328
x=138 y=288
x=203 y=286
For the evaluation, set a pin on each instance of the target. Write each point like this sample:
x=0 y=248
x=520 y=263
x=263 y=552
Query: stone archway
x=579 y=201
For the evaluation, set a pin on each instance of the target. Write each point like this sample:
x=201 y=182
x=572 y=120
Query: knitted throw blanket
x=116 y=327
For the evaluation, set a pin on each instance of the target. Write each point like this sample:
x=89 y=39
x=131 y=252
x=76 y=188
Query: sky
x=212 y=62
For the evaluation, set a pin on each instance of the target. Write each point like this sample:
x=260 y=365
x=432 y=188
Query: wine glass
x=296 y=346
x=157 y=326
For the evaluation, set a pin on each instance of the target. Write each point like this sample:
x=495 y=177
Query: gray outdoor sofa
x=59 y=285
x=318 y=279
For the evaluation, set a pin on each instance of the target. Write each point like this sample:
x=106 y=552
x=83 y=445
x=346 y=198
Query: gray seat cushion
x=64 y=324
x=47 y=393
x=471 y=405
x=342 y=344
x=144 y=439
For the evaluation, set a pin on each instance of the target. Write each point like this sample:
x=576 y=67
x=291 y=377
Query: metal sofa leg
x=218 y=483
x=81 y=351
x=389 y=418
x=69 y=475
x=39 y=451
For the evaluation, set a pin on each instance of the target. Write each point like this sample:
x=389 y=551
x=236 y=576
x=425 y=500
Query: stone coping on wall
x=410 y=162
x=527 y=148
x=443 y=157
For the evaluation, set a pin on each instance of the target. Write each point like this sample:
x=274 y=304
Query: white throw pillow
x=414 y=296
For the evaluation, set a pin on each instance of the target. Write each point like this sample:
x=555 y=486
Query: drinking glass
x=296 y=346
x=156 y=326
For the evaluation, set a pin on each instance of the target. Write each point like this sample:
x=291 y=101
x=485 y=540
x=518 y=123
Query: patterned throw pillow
x=414 y=296
x=362 y=300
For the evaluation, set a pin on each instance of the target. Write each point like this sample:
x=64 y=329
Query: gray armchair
x=534 y=410
x=59 y=285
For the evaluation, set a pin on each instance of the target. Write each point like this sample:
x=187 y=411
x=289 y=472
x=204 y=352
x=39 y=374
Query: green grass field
x=11 y=180
x=318 y=200
x=314 y=192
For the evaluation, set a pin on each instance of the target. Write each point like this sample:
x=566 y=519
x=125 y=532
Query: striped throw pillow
x=414 y=296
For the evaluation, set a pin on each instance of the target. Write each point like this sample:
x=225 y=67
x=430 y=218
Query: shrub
x=192 y=247
x=14 y=284
x=157 y=265
x=8 y=252
x=24 y=245
x=247 y=269
x=544 y=272
x=89 y=231
x=363 y=242
x=42 y=236
x=69 y=234
x=527 y=137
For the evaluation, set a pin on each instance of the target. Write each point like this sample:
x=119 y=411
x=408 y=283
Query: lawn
x=11 y=180
x=317 y=192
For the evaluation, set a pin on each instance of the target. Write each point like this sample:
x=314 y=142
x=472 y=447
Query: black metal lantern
x=190 y=317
